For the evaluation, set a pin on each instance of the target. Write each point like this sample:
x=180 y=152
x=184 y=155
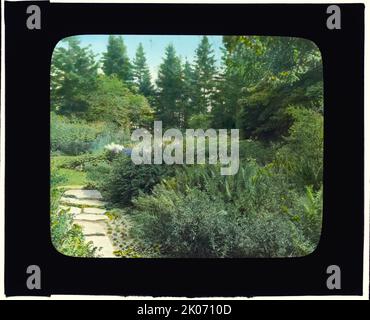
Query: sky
x=154 y=47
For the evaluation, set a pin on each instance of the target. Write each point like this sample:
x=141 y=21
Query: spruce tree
x=73 y=77
x=170 y=88
x=141 y=73
x=189 y=86
x=205 y=72
x=116 y=61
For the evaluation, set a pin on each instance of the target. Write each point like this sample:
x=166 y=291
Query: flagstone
x=90 y=217
x=103 y=243
x=84 y=194
x=82 y=202
x=91 y=228
x=94 y=210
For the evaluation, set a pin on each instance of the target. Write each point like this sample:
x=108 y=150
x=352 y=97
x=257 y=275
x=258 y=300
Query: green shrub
x=183 y=226
x=262 y=152
x=268 y=235
x=66 y=237
x=200 y=121
x=208 y=178
x=257 y=213
x=266 y=191
x=308 y=215
x=252 y=183
x=194 y=225
x=110 y=134
x=114 y=102
x=56 y=177
x=79 y=162
x=126 y=180
x=71 y=137
x=97 y=173
x=301 y=158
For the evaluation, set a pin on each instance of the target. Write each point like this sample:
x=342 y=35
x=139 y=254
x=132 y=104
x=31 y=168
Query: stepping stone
x=104 y=243
x=84 y=194
x=94 y=210
x=72 y=210
x=82 y=202
x=90 y=228
x=90 y=217
x=70 y=187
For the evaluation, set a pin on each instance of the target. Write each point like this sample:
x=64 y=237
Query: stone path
x=88 y=211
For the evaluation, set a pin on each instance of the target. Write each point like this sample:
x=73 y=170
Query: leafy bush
x=97 y=173
x=71 y=137
x=119 y=226
x=200 y=121
x=271 y=235
x=114 y=102
x=266 y=191
x=56 y=177
x=252 y=188
x=78 y=162
x=66 y=237
x=110 y=134
x=301 y=158
x=195 y=225
x=126 y=180
x=256 y=213
x=263 y=153
x=309 y=214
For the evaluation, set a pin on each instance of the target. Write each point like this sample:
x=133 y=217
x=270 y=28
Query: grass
x=60 y=160
x=73 y=177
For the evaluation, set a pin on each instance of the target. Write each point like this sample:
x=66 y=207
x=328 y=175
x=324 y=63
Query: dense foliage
x=116 y=61
x=66 y=237
x=120 y=180
x=113 y=102
x=71 y=136
x=270 y=88
x=255 y=213
x=73 y=77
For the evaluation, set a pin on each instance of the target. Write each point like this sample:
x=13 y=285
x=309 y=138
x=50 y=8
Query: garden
x=104 y=205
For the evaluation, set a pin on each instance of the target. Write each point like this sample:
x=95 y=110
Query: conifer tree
x=116 y=61
x=189 y=87
x=170 y=89
x=205 y=72
x=141 y=73
x=73 y=77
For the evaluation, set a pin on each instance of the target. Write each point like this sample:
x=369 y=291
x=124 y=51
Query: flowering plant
x=113 y=147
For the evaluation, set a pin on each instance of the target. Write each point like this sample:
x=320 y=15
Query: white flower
x=113 y=147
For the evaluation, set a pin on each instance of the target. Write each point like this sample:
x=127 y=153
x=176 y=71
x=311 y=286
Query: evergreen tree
x=141 y=73
x=73 y=77
x=116 y=61
x=204 y=71
x=240 y=70
x=170 y=88
x=289 y=74
x=189 y=86
x=261 y=77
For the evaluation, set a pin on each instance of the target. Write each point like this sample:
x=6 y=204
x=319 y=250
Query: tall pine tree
x=73 y=77
x=240 y=69
x=141 y=73
x=189 y=86
x=170 y=88
x=116 y=61
x=205 y=72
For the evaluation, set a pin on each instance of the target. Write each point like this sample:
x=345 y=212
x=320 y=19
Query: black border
x=27 y=237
